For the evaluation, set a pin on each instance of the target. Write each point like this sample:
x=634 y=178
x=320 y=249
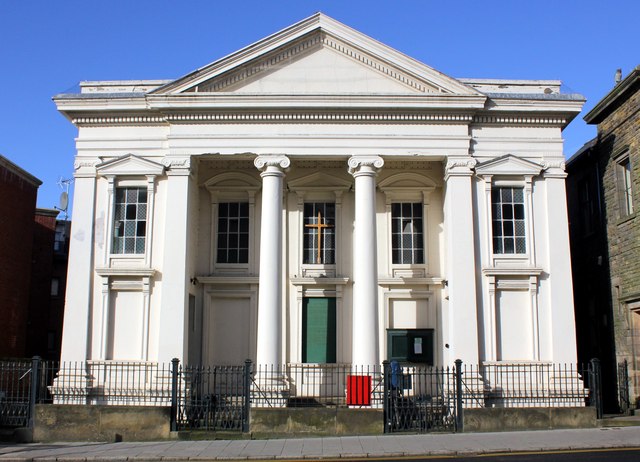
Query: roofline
x=602 y=109
x=586 y=147
x=4 y=162
x=318 y=21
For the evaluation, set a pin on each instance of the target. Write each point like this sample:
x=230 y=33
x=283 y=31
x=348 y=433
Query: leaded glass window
x=233 y=232
x=407 y=240
x=130 y=221
x=507 y=206
x=319 y=233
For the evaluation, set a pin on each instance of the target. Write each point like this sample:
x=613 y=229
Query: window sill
x=626 y=218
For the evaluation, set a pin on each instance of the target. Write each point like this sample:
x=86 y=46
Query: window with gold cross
x=319 y=233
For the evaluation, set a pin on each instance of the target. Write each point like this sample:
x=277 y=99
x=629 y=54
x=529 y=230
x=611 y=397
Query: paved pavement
x=327 y=448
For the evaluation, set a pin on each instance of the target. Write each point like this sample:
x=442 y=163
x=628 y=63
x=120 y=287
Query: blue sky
x=48 y=47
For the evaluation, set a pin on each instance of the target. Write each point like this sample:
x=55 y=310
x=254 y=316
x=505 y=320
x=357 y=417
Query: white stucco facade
x=319 y=114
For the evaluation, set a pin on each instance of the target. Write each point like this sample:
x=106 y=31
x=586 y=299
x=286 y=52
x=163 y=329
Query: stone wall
x=532 y=418
x=100 y=423
x=619 y=133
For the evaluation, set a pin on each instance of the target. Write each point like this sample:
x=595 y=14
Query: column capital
x=459 y=166
x=277 y=161
x=365 y=164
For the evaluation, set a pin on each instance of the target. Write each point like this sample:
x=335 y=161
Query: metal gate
x=421 y=399
x=624 y=400
x=210 y=398
x=15 y=391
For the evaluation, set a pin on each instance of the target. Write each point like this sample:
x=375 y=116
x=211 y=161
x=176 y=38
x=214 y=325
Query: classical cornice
x=520 y=119
x=351 y=117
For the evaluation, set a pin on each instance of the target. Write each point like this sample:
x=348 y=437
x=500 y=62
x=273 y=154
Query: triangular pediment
x=129 y=165
x=509 y=165
x=317 y=56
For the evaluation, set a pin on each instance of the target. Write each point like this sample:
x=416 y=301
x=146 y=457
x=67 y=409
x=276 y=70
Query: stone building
x=320 y=198
x=605 y=231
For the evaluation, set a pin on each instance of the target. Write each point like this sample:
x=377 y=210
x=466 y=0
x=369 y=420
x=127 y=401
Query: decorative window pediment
x=403 y=185
x=319 y=181
x=129 y=165
x=508 y=165
x=233 y=182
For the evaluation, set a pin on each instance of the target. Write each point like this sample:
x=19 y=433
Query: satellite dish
x=64 y=201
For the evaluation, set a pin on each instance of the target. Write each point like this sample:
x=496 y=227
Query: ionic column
x=270 y=289
x=365 y=266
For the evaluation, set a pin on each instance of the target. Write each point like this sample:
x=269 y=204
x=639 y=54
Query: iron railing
x=414 y=398
x=211 y=398
x=520 y=384
x=314 y=385
x=624 y=399
x=421 y=398
x=130 y=383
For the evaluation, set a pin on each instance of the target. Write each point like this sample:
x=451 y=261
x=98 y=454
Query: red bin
x=359 y=390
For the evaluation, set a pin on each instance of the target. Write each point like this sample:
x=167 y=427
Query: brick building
x=33 y=268
x=603 y=196
x=48 y=280
x=18 y=190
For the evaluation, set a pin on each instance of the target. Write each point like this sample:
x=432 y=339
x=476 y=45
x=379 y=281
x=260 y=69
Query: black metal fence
x=624 y=399
x=422 y=399
x=413 y=398
x=316 y=385
x=211 y=398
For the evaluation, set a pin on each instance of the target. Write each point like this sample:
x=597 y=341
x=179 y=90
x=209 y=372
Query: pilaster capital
x=554 y=168
x=85 y=167
x=365 y=165
x=268 y=162
x=177 y=165
x=459 y=166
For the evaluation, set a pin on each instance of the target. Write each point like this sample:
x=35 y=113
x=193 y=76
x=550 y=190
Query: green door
x=319 y=330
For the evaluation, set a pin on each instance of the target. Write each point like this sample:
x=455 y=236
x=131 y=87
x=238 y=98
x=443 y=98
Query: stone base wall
x=293 y=422
x=100 y=423
x=532 y=418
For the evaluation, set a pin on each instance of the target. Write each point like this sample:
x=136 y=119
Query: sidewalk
x=328 y=448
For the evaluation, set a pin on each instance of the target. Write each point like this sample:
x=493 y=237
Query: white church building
x=319 y=198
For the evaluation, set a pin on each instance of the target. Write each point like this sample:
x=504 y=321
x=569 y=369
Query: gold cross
x=319 y=226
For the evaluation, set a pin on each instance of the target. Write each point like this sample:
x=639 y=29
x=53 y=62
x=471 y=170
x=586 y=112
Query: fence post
x=33 y=389
x=459 y=411
x=595 y=387
x=247 y=396
x=386 y=399
x=175 y=363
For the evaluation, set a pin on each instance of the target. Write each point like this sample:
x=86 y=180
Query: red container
x=359 y=390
